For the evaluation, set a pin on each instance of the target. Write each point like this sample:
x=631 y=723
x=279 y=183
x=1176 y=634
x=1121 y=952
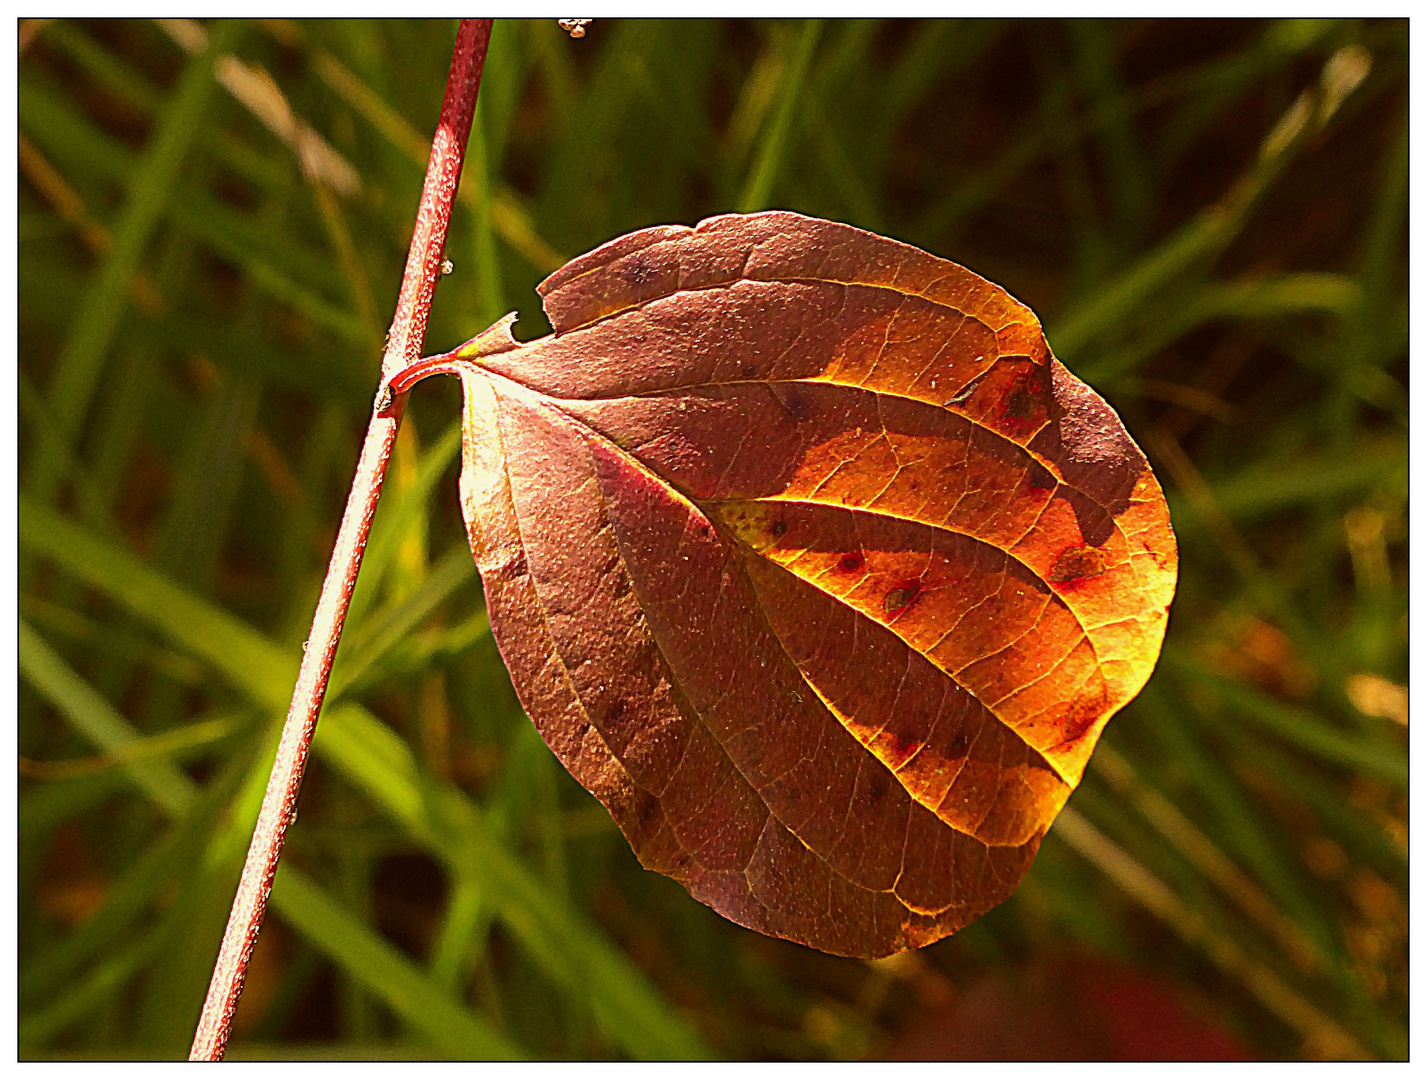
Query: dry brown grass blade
x=1176 y=827
x=510 y=221
x=255 y=89
x=70 y=207
x=1322 y=1035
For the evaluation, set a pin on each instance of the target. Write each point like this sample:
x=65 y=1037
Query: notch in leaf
x=813 y=564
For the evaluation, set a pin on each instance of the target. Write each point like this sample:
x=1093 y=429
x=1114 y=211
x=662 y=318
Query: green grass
x=1209 y=217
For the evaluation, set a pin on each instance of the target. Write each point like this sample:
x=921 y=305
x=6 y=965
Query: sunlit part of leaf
x=812 y=563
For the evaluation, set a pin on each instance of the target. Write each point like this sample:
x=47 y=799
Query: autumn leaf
x=812 y=563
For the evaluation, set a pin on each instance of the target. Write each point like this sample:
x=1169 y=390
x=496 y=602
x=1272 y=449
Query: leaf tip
x=497 y=339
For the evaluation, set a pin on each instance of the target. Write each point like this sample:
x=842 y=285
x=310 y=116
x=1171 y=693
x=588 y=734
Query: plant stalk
x=403 y=347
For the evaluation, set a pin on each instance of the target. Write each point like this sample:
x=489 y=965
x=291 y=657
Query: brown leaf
x=813 y=564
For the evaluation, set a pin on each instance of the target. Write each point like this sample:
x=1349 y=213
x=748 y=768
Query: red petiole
x=409 y=376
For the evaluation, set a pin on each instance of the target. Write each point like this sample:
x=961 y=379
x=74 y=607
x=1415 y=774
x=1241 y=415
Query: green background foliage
x=1210 y=217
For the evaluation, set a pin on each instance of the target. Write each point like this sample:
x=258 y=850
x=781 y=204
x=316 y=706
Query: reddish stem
x=408 y=330
x=408 y=377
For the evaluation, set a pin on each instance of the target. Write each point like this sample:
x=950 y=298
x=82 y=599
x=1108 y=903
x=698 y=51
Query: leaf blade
x=892 y=476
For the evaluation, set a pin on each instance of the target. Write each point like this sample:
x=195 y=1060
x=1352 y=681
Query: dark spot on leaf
x=958 y=746
x=648 y=814
x=1020 y=402
x=878 y=784
x=779 y=528
x=1080 y=718
x=899 y=599
x=795 y=402
x=1081 y=562
x=636 y=269
x=517 y=567
x=1039 y=477
x=850 y=562
x=899 y=746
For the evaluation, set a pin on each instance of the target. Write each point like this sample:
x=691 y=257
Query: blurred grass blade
x=1311 y=477
x=1218 y=82
x=173 y=855
x=575 y=954
x=507 y=215
x=1126 y=171
x=245 y=657
x=1191 y=841
x=97 y=720
x=491 y=294
x=774 y=147
x=85 y=994
x=465 y=920
x=168 y=744
x=350 y=943
x=1297 y=726
x=81 y=360
x=570 y=950
x=285 y=270
x=391 y=976
x=1146 y=889
x=1241 y=824
x=1201 y=240
x=396 y=518
x=1189 y=309
x=941 y=47
x=254 y=88
x=387 y=628
x=1366 y=838
x=87 y=490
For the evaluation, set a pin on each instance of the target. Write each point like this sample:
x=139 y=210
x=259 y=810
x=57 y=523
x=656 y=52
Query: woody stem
x=404 y=341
